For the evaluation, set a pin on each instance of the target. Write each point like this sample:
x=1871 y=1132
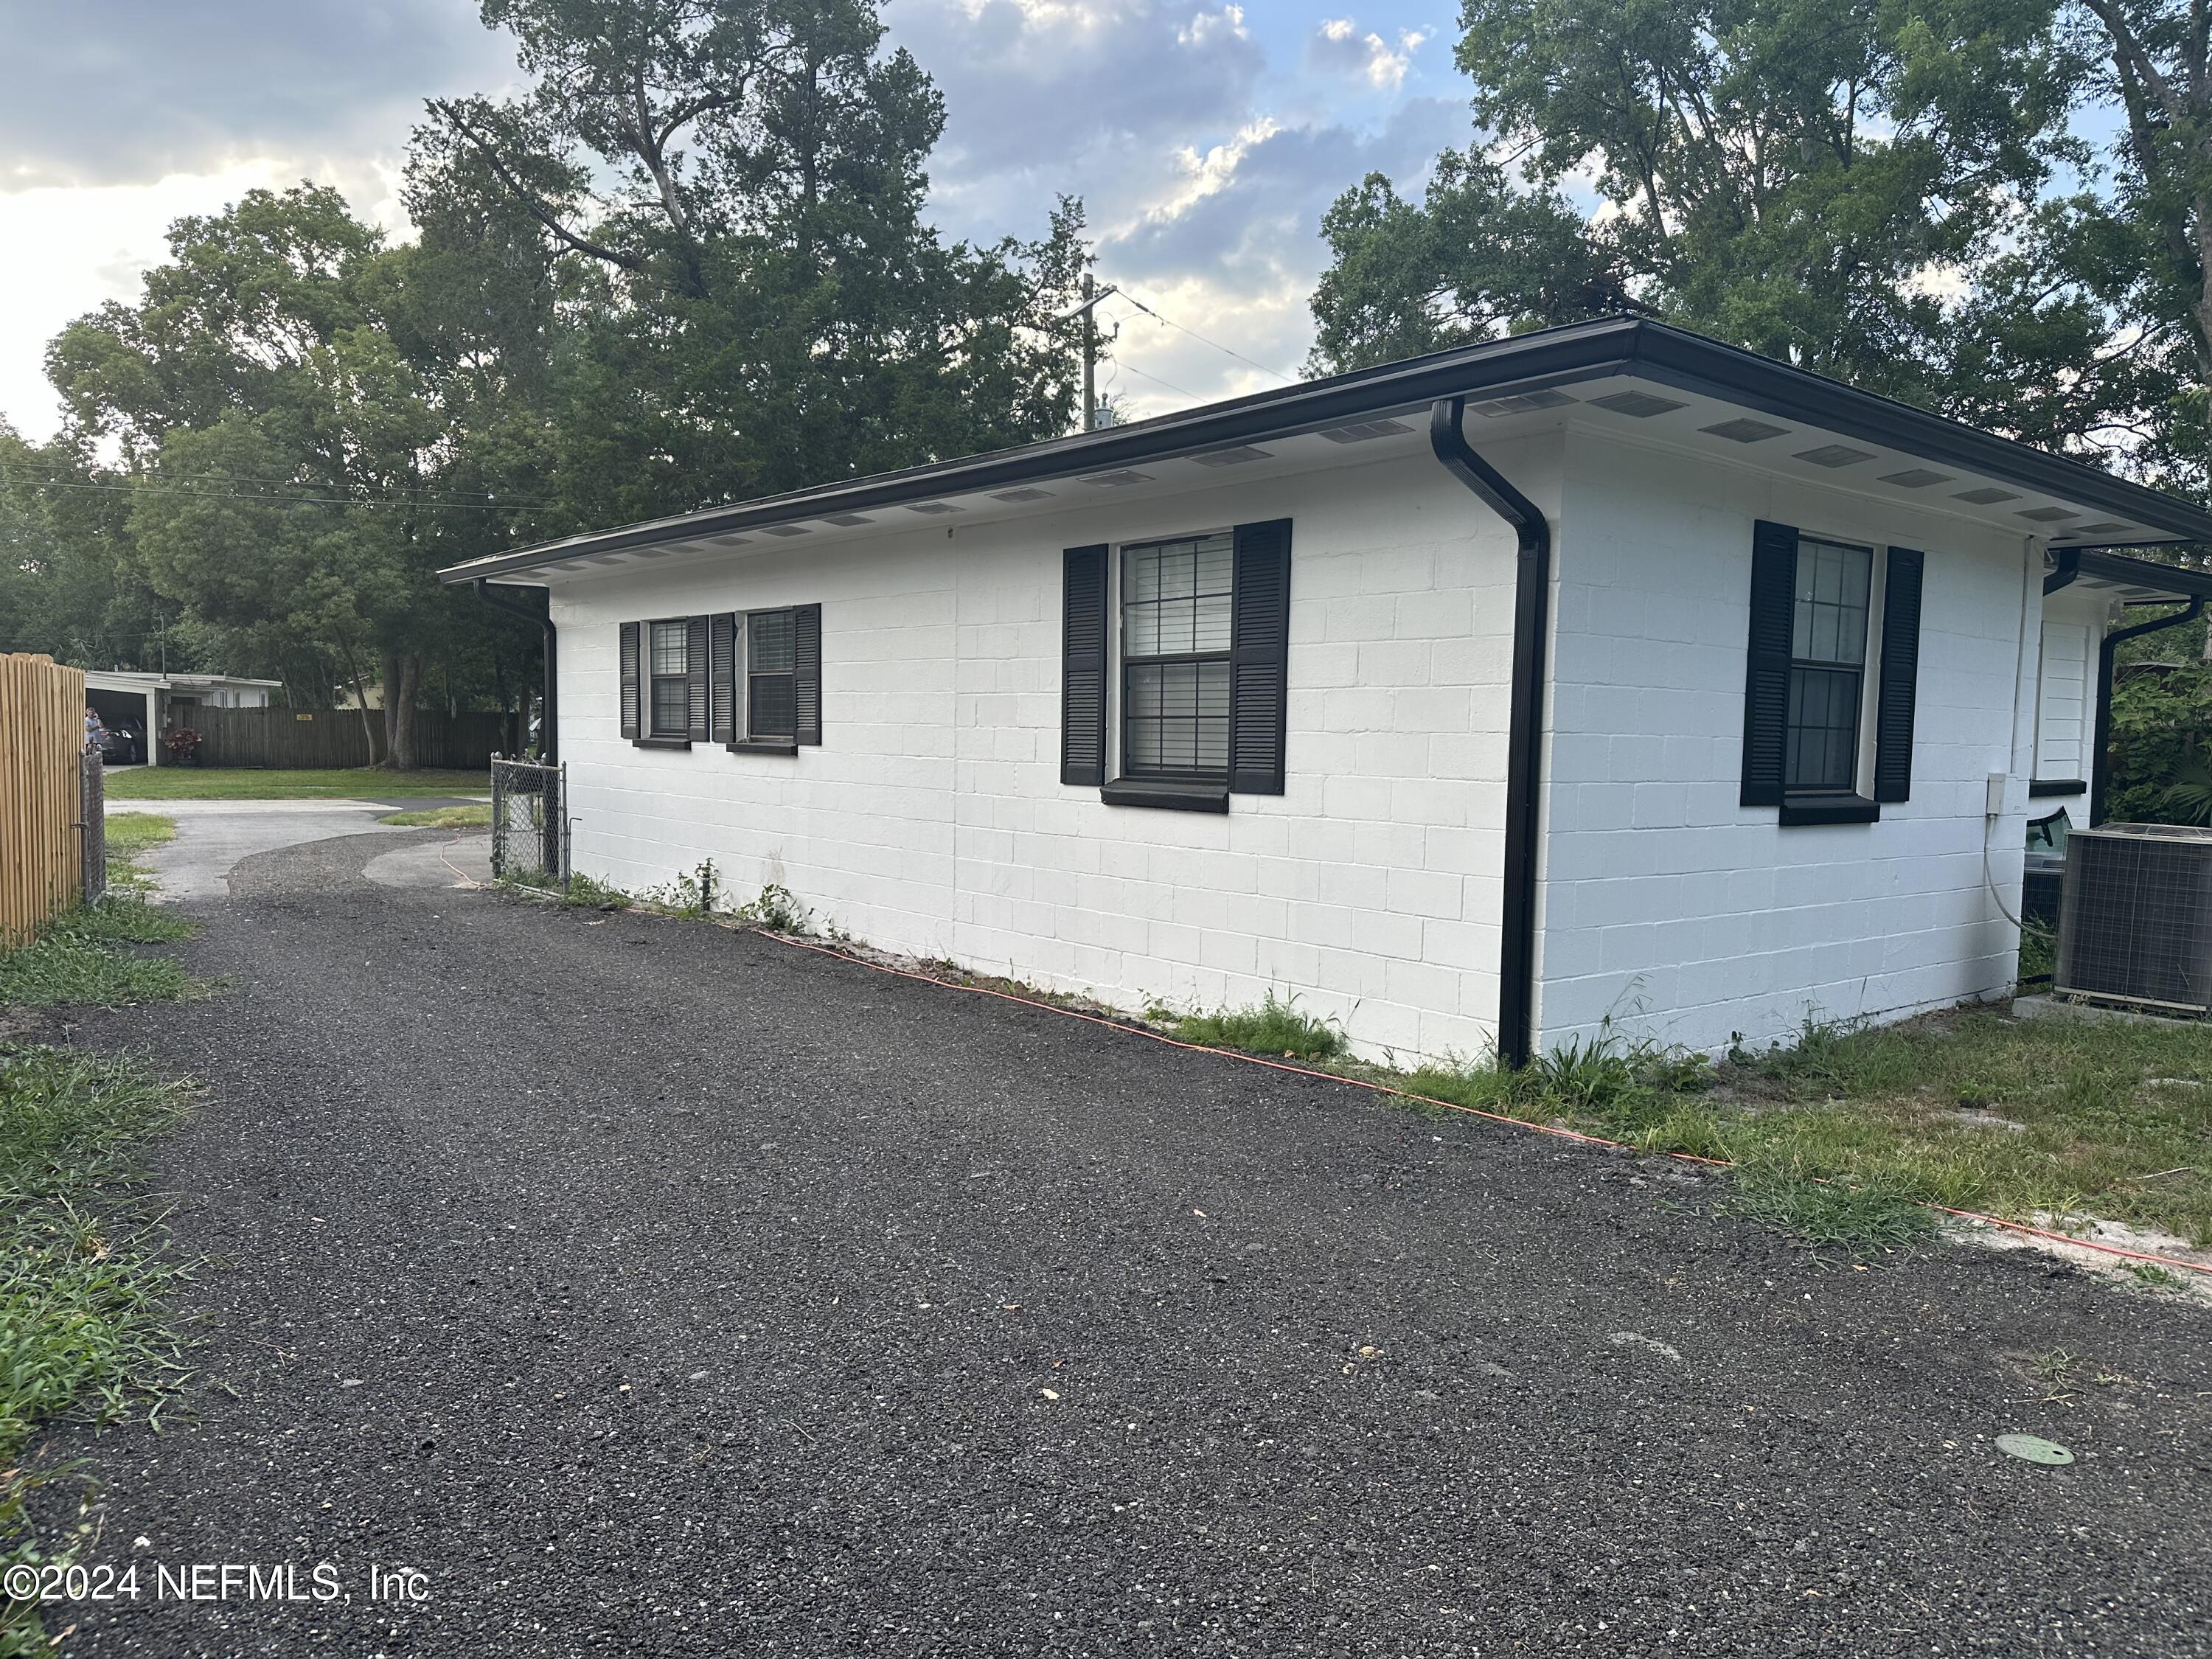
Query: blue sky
x=1206 y=137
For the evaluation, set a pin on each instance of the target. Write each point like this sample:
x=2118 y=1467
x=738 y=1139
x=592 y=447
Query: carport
x=150 y=700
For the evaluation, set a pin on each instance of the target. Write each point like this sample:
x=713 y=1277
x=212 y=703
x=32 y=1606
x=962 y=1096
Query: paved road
x=660 y=1290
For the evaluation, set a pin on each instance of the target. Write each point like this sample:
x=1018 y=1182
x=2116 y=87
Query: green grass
x=1275 y=1026
x=256 y=783
x=1859 y=1217
x=2112 y=1119
x=478 y=817
x=130 y=835
x=77 y=958
x=83 y=1276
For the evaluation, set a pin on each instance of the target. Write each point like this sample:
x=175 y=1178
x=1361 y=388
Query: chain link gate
x=92 y=825
x=530 y=822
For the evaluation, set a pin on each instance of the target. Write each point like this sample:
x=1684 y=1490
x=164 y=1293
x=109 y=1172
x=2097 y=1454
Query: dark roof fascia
x=1693 y=363
x=1584 y=351
x=1548 y=357
x=2182 y=584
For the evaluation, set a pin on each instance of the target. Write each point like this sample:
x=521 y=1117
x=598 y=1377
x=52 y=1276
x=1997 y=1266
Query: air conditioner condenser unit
x=2135 y=923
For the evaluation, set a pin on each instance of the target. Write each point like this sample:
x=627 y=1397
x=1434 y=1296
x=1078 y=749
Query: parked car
x=123 y=743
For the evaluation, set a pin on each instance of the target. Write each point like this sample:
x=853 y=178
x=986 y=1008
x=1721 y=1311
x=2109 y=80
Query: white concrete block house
x=1605 y=672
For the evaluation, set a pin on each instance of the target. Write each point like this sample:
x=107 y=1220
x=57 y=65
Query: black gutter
x=2102 y=566
x=2100 y=761
x=1532 y=585
x=2070 y=568
x=1547 y=357
x=548 y=708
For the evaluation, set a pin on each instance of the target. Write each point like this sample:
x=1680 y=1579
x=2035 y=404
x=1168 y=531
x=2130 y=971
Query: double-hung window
x=1827 y=665
x=1174 y=667
x=670 y=670
x=751 y=680
x=771 y=679
x=1175 y=622
x=1820 y=742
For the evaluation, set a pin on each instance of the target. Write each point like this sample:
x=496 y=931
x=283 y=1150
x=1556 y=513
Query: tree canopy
x=689 y=264
x=1894 y=193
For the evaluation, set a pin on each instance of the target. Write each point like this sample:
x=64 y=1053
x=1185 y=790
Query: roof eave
x=1551 y=357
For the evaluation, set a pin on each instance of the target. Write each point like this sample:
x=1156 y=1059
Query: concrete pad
x=213 y=835
x=465 y=861
x=2059 y=1008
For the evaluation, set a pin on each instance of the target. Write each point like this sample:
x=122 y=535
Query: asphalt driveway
x=655 y=1289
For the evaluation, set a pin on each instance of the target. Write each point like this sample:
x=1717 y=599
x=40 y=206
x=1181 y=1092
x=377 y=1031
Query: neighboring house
x=153 y=702
x=1601 y=674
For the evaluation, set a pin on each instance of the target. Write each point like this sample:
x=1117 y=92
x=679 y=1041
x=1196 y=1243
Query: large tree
x=1867 y=189
x=728 y=196
x=284 y=459
x=688 y=266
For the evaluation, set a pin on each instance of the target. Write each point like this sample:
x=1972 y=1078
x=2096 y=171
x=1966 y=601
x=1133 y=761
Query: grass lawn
x=478 y=817
x=1972 y=1108
x=84 y=1273
x=268 y=783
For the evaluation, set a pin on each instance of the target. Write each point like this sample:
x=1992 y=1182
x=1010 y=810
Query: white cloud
x=1205 y=168
x=93 y=244
x=1204 y=175
x=1338 y=48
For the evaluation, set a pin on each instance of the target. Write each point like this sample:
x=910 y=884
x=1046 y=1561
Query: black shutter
x=806 y=671
x=1766 y=672
x=1082 y=666
x=695 y=653
x=721 y=675
x=1259 y=659
x=630 y=688
x=1900 y=675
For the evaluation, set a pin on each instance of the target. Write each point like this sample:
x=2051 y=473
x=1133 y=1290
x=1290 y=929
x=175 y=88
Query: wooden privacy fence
x=42 y=854
x=316 y=738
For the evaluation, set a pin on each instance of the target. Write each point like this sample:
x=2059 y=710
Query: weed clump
x=1273 y=1026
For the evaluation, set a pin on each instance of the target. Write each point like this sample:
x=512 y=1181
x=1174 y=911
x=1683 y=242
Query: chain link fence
x=530 y=822
x=92 y=823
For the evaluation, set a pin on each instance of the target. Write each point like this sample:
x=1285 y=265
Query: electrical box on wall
x=1994 y=806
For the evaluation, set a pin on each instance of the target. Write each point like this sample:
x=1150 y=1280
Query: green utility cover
x=2034 y=1449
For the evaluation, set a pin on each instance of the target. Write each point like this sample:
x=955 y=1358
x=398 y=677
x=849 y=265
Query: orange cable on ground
x=1552 y=1129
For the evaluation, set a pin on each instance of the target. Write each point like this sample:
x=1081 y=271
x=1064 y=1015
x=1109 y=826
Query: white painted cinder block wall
x=931 y=820
x=1665 y=906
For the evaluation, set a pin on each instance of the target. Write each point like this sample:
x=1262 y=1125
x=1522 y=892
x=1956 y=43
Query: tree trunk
x=403 y=676
x=361 y=702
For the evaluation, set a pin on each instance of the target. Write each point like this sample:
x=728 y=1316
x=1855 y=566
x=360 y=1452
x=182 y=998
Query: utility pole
x=1091 y=359
x=1088 y=311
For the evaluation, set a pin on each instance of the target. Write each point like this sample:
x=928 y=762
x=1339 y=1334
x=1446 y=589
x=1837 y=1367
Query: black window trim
x=650 y=735
x=1861 y=685
x=1095 y=673
x=1169 y=788
x=804 y=675
x=764 y=742
x=1800 y=807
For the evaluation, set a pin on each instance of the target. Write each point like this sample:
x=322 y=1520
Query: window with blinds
x=1175 y=625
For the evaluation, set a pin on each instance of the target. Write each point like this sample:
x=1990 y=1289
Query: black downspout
x=2100 y=762
x=2069 y=567
x=548 y=705
x=1531 y=584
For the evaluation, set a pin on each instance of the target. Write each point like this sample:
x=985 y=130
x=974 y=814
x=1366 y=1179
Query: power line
x=1156 y=380
x=1291 y=380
